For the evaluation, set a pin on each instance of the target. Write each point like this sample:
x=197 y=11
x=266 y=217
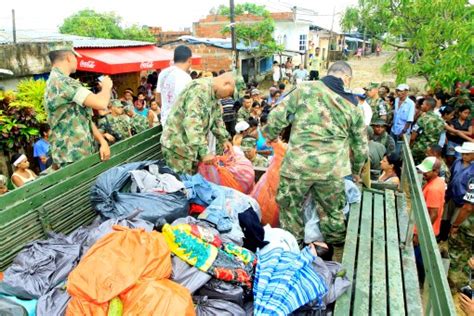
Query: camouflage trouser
x=330 y=200
x=461 y=248
x=178 y=163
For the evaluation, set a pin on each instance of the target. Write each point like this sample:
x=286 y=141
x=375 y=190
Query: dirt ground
x=366 y=70
x=369 y=69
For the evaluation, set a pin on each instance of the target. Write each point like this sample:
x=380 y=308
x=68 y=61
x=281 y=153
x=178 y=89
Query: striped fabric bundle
x=285 y=281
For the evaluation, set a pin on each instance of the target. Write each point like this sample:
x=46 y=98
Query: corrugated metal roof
x=225 y=43
x=78 y=41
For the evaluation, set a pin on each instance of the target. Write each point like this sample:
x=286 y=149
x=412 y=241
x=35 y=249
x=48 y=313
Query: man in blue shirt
x=41 y=148
x=404 y=114
x=461 y=171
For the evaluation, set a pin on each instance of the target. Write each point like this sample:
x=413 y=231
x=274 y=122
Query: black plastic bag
x=218 y=289
x=213 y=307
x=109 y=198
x=188 y=276
x=40 y=266
x=10 y=308
x=53 y=303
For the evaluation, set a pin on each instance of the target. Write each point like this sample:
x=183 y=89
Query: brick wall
x=212 y=58
x=212 y=25
x=167 y=36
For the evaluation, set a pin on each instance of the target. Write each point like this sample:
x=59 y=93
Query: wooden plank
x=362 y=282
x=42 y=183
x=410 y=277
x=402 y=216
x=343 y=305
x=379 y=282
x=396 y=295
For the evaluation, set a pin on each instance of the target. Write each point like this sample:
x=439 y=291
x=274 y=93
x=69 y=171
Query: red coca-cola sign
x=146 y=65
x=89 y=64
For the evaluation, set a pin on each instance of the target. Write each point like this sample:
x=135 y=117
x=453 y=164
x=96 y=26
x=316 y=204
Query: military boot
x=338 y=251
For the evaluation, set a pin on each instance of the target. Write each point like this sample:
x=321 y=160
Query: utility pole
x=14 y=26
x=235 y=53
x=330 y=36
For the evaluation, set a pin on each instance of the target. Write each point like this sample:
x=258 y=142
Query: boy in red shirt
x=433 y=192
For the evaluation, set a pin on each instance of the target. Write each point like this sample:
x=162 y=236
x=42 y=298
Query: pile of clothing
x=179 y=245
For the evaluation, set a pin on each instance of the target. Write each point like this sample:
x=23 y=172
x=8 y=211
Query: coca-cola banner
x=118 y=60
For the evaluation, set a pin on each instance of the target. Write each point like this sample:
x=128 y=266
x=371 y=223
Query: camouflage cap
x=372 y=85
x=248 y=143
x=239 y=85
x=379 y=122
x=116 y=103
x=56 y=46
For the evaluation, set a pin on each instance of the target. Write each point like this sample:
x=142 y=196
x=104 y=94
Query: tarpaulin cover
x=40 y=266
x=232 y=170
x=110 y=201
x=266 y=189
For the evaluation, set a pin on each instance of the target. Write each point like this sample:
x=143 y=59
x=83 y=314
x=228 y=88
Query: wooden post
x=14 y=26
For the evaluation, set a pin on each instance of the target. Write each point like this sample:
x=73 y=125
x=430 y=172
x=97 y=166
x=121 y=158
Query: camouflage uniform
x=184 y=138
x=461 y=246
x=243 y=114
x=379 y=108
x=386 y=140
x=429 y=128
x=139 y=123
x=325 y=127
x=117 y=126
x=259 y=161
x=71 y=122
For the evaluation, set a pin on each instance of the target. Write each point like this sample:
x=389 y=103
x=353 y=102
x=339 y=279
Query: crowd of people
x=331 y=132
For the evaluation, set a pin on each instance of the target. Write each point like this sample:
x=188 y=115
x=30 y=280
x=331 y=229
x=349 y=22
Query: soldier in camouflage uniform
x=138 y=122
x=185 y=136
x=245 y=112
x=249 y=147
x=69 y=107
x=426 y=131
x=378 y=133
x=461 y=241
x=377 y=104
x=326 y=126
x=116 y=123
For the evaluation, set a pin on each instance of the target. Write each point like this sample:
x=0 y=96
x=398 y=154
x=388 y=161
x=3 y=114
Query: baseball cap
x=241 y=126
x=402 y=87
x=248 y=143
x=429 y=164
x=254 y=92
x=379 y=122
x=64 y=46
x=466 y=148
x=116 y=103
x=371 y=85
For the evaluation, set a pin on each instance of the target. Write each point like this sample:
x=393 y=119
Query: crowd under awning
x=116 y=60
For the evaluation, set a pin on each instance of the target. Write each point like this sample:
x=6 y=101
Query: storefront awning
x=118 y=60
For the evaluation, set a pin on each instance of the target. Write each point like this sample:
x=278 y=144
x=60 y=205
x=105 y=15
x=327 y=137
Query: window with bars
x=303 y=39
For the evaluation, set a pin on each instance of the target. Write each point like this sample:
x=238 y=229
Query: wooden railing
x=438 y=300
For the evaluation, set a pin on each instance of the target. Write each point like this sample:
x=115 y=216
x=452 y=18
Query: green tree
x=258 y=34
x=434 y=38
x=103 y=25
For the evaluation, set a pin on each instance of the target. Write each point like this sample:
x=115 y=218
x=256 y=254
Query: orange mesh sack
x=266 y=189
x=162 y=297
x=114 y=265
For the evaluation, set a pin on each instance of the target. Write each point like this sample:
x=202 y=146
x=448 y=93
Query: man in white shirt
x=173 y=79
x=363 y=105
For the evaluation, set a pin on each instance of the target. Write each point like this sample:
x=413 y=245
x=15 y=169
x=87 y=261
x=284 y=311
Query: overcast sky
x=170 y=14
